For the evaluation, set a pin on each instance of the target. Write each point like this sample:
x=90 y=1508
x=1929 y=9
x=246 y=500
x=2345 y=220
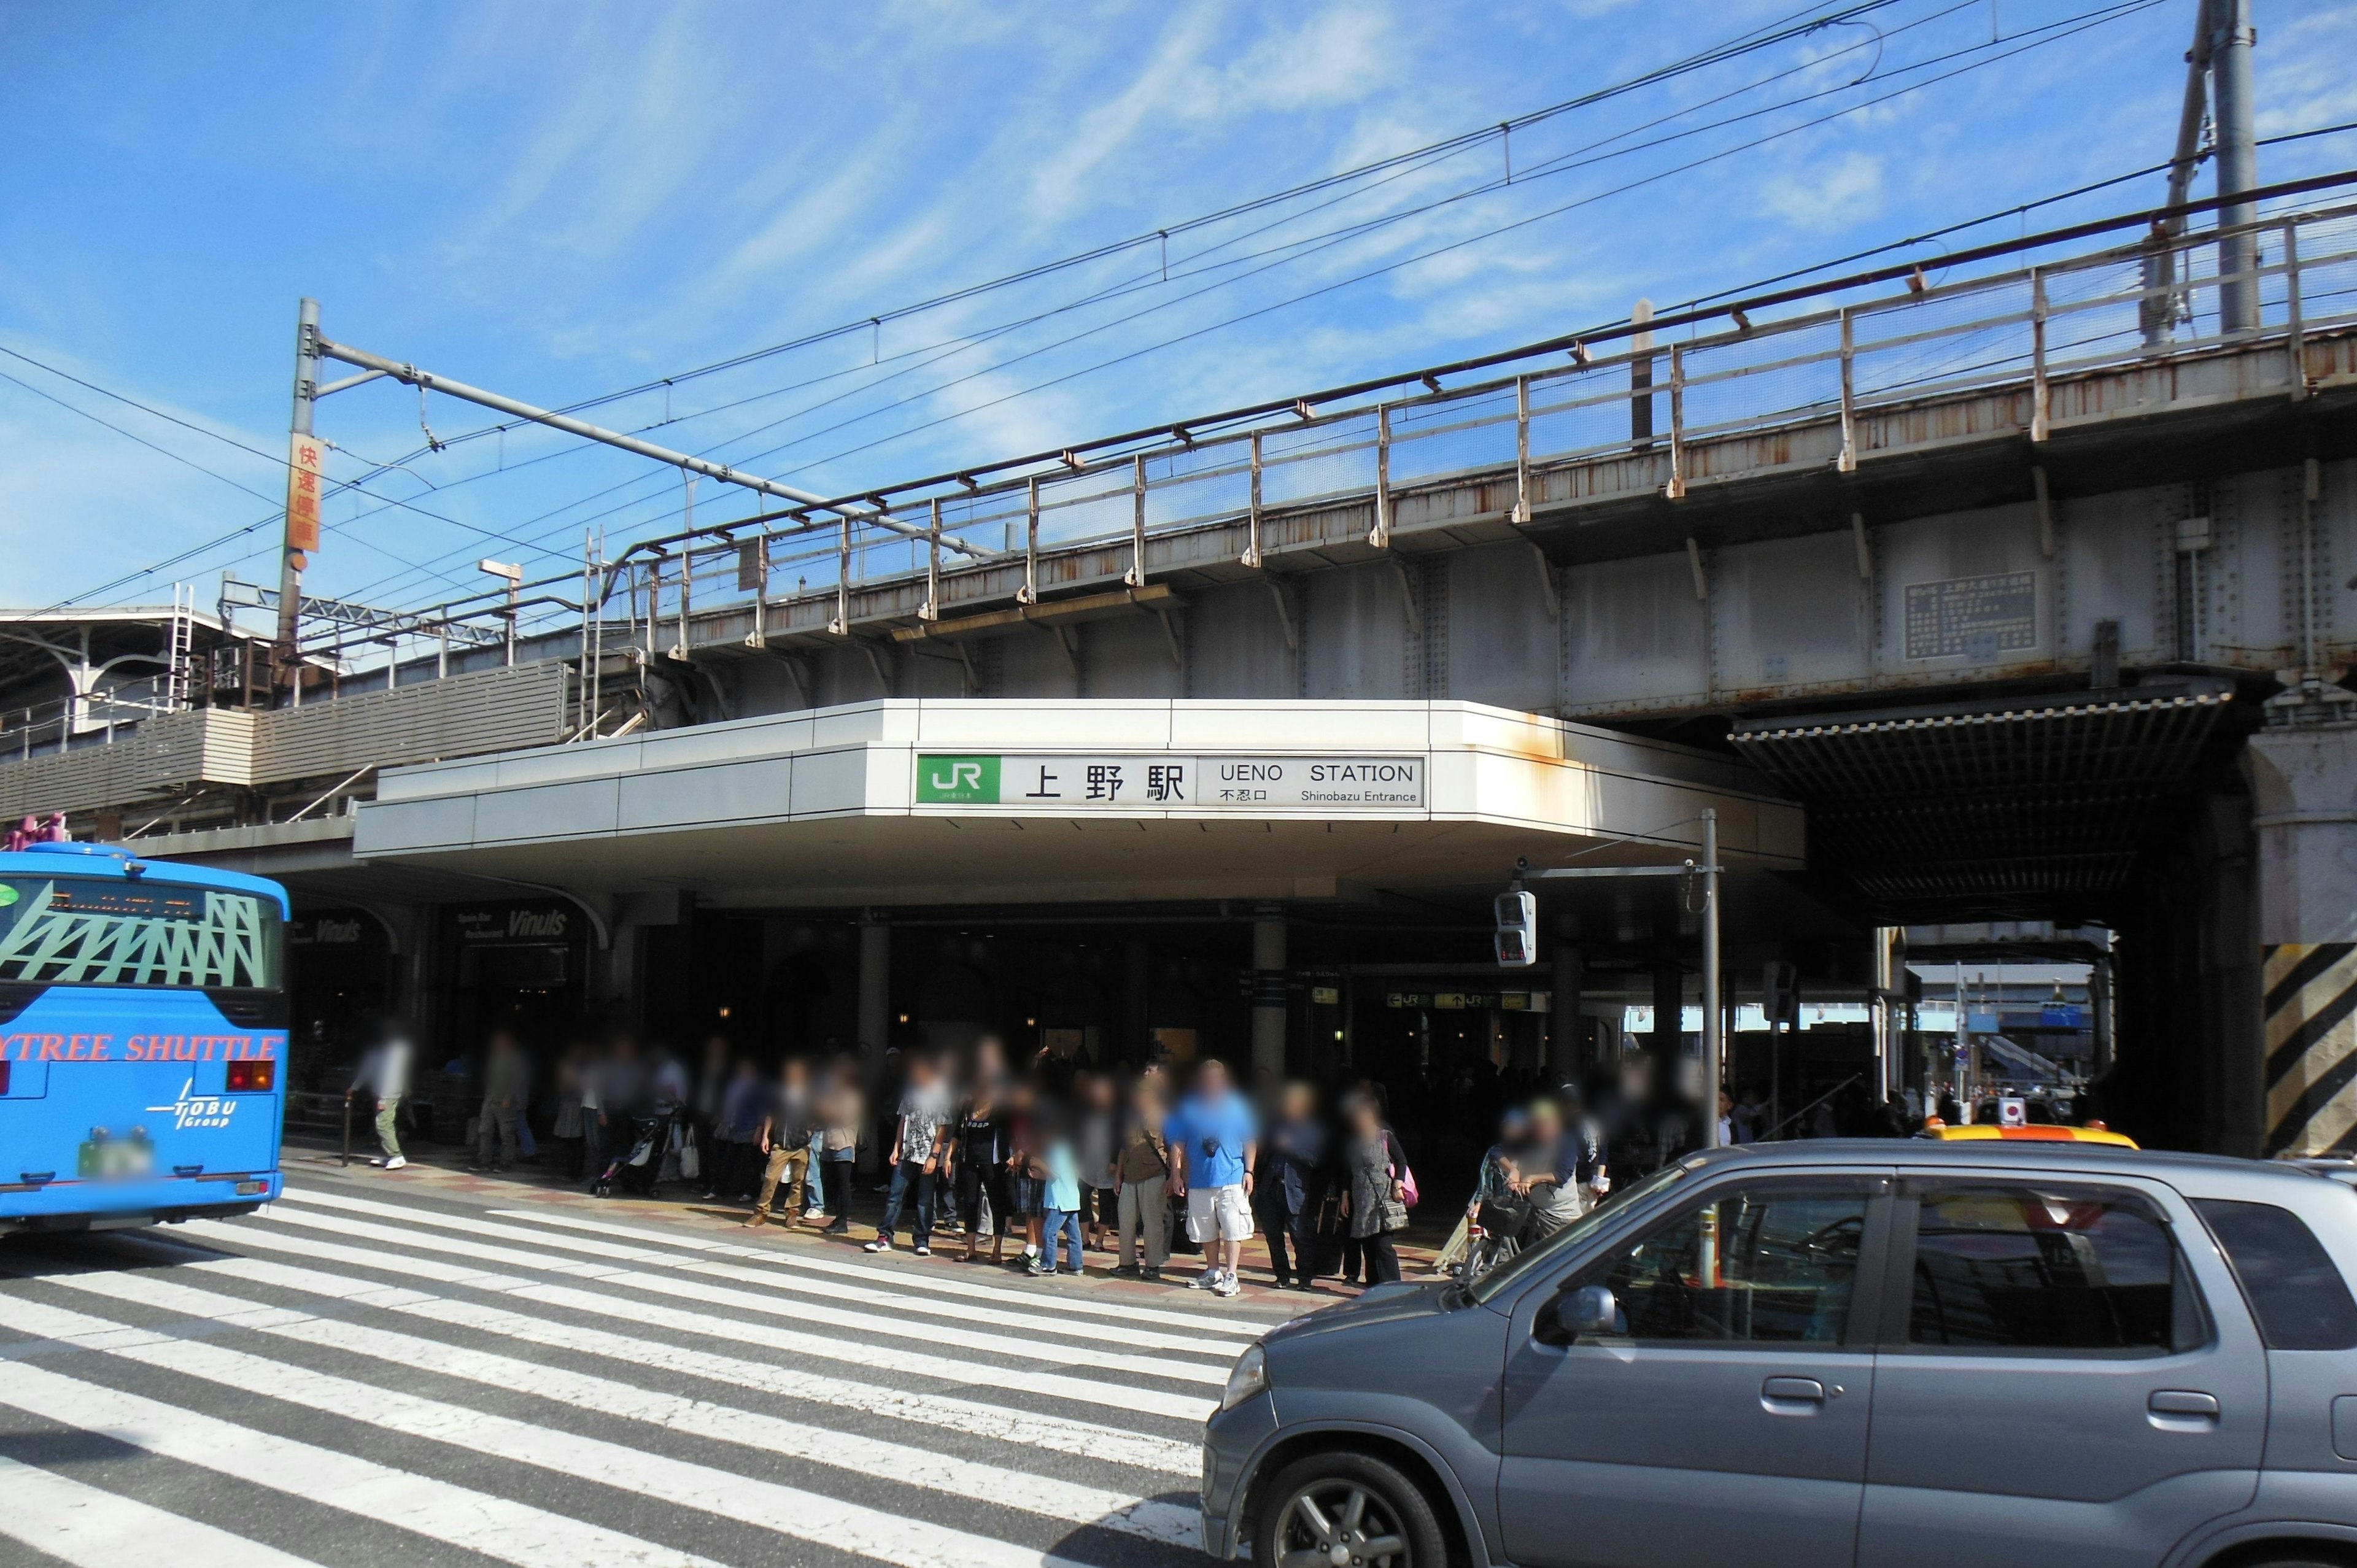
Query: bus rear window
x=69 y=930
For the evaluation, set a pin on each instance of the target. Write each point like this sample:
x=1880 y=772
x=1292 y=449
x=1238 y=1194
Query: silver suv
x=1836 y=1355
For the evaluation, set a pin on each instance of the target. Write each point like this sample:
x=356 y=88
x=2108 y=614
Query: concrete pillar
x=2303 y=777
x=874 y=1011
x=1566 y=1058
x=1268 y=990
x=1138 y=1025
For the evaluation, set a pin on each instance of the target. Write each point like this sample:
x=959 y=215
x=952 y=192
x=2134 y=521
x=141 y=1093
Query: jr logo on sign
x=957 y=780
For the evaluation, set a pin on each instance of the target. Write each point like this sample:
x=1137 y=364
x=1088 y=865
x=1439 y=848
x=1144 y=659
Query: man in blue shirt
x=1215 y=1135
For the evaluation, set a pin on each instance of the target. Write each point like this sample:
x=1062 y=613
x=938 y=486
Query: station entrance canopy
x=964 y=801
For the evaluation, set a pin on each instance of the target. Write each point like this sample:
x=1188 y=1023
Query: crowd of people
x=1039 y=1164
x=1032 y=1165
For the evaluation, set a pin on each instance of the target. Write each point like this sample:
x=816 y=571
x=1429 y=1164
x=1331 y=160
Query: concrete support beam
x=1268 y=992
x=2304 y=798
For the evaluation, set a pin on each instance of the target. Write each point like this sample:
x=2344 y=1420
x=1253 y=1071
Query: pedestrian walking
x=1143 y=1166
x=504 y=1075
x=784 y=1140
x=917 y=1130
x=735 y=1136
x=1285 y=1194
x=384 y=1073
x=842 y=1111
x=1215 y=1135
x=1060 y=1201
x=1095 y=1141
x=1376 y=1200
x=566 y=1127
x=976 y=1161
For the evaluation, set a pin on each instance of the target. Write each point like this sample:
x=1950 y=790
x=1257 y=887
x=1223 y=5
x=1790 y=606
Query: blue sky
x=561 y=200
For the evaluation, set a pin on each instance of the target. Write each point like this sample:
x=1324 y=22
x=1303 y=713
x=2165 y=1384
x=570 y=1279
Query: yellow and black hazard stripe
x=2312 y=1034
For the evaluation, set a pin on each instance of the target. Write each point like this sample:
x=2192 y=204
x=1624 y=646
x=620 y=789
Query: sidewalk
x=442 y=1169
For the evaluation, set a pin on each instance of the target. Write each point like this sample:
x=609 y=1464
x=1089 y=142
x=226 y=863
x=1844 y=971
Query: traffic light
x=1780 y=991
x=1517 y=937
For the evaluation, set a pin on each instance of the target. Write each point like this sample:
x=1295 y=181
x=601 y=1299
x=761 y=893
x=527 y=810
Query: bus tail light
x=3 y=1077
x=252 y=1076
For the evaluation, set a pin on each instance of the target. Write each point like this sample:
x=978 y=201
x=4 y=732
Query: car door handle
x=2183 y=1402
x=1792 y=1396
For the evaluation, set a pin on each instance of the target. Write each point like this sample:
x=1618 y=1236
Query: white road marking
x=511 y=1532
x=997 y=1422
x=786 y=1510
x=688 y=1241
x=92 y=1528
x=777 y=1278
x=875 y=1458
x=976 y=1375
x=1028 y=1350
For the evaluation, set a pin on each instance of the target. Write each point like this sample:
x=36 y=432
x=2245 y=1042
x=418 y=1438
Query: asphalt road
x=418 y=1368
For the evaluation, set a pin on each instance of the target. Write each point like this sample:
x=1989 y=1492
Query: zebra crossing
x=393 y=1374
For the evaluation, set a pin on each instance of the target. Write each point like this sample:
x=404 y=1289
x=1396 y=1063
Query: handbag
x=691 y=1159
x=1407 y=1185
x=1394 y=1215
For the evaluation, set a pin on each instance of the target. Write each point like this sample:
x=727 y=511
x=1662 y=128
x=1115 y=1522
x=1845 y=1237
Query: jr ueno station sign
x=1067 y=783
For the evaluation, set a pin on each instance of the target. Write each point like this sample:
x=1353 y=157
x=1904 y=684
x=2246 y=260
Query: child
x=1060 y=1202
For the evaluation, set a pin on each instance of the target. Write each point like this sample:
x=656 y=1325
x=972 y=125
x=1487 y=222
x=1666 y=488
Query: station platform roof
x=963 y=801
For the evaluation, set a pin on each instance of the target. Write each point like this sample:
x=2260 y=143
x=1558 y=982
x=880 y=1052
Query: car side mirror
x=1589 y=1312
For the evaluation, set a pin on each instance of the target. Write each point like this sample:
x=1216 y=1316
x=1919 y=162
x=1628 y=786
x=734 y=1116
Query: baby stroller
x=636 y=1170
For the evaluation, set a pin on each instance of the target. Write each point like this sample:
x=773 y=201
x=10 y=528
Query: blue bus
x=143 y=1040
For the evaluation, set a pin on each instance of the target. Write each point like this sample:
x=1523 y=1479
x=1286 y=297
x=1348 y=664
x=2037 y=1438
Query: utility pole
x=302 y=534
x=2231 y=39
x=1714 y=1035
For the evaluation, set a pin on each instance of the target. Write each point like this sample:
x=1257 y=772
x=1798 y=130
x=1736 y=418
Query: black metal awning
x=2032 y=806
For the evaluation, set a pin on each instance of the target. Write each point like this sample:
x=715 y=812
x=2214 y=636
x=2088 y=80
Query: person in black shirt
x=973 y=1156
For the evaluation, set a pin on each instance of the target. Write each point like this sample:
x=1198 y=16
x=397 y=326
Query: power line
x=2112 y=14
x=1797 y=24
x=1303 y=246
x=1310 y=244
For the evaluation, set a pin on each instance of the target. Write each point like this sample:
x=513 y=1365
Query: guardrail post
x=1847 y=462
x=1252 y=545
x=1522 y=448
x=1677 y=485
x=1380 y=536
x=931 y=608
x=2297 y=342
x=2038 y=414
x=1135 y=575
x=1028 y=593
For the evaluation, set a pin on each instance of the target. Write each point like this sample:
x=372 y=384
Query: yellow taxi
x=2030 y=1132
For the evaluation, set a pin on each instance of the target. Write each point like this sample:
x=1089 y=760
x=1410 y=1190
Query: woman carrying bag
x=1375 y=1195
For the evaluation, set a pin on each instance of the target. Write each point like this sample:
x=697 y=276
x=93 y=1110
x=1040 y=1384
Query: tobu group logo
x=196 y=1111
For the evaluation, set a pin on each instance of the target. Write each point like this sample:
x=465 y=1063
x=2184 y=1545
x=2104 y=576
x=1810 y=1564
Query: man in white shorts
x=1214 y=1134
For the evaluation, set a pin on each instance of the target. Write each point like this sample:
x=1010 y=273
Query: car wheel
x=1346 y=1510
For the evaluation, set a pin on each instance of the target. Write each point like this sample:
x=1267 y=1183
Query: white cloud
x=1827 y=196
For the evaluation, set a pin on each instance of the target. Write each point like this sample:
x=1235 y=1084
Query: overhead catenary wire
x=1521 y=177
x=2022 y=41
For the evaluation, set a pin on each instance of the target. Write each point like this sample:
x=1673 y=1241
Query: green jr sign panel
x=957 y=780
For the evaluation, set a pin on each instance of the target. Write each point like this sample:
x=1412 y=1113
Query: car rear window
x=2300 y=1299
